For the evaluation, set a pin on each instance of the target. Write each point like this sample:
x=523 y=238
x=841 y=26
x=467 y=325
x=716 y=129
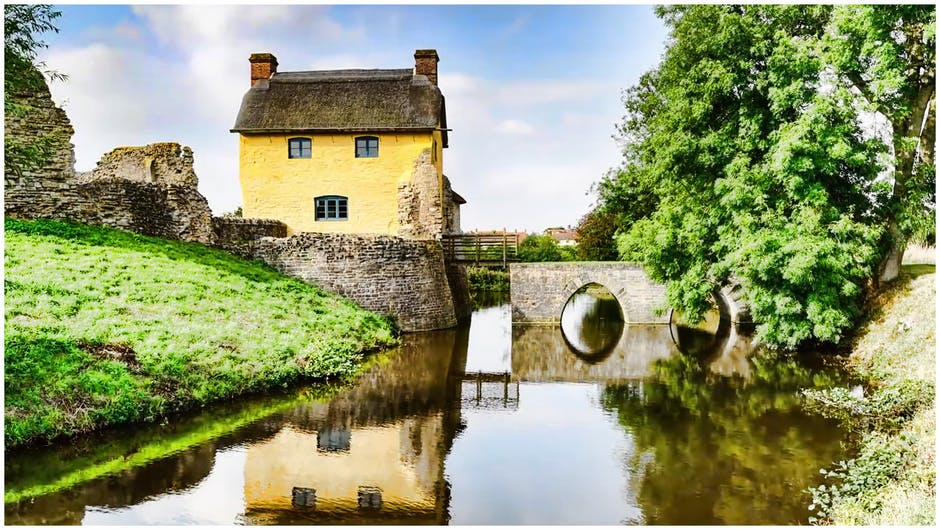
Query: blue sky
x=533 y=92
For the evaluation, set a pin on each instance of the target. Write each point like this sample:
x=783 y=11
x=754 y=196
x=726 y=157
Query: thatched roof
x=342 y=100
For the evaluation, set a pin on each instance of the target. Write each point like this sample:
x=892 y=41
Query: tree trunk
x=891 y=265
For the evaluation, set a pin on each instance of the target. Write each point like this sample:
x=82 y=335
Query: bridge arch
x=590 y=327
x=539 y=291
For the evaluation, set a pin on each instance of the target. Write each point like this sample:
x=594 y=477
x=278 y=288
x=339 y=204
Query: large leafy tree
x=23 y=76
x=887 y=53
x=761 y=169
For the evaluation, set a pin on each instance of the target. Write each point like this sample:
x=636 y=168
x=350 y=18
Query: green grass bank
x=892 y=480
x=105 y=327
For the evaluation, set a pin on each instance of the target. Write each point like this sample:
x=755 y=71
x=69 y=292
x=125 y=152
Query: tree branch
x=859 y=82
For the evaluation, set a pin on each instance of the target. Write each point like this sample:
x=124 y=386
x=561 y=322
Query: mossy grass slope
x=892 y=481
x=104 y=327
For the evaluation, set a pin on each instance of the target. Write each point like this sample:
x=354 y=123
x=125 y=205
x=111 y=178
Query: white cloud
x=536 y=172
x=111 y=97
x=515 y=127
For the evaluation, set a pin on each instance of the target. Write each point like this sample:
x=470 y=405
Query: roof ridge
x=345 y=74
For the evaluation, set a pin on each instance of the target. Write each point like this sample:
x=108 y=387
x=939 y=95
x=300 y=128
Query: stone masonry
x=404 y=279
x=420 y=212
x=150 y=189
x=539 y=291
x=164 y=163
x=238 y=236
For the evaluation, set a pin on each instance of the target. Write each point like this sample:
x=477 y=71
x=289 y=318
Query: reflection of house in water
x=373 y=454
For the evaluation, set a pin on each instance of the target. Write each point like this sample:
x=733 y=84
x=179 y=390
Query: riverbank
x=892 y=480
x=105 y=327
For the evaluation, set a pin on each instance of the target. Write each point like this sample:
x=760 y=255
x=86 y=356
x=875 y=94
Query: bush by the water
x=104 y=327
x=484 y=279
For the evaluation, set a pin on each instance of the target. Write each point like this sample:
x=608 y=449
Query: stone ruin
x=149 y=189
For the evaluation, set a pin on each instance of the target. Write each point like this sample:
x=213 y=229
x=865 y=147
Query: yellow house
x=352 y=151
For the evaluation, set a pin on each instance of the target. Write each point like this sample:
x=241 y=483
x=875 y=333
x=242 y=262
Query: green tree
x=758 y=168
x=596 y=236
x=540 y=248
x=23 y=76
x=888 y=53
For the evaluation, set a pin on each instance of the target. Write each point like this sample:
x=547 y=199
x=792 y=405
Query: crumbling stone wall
x=149 y=189
x=45 y=191
x=420 y=209
x=404 y=279
x=164 y=163
x=152 y=190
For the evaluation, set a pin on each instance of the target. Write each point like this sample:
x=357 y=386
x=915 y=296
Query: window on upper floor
x=298 y=148
x=367 y=147
x=331 y=208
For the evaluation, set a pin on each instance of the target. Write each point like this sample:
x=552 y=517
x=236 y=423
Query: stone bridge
x=539 y=291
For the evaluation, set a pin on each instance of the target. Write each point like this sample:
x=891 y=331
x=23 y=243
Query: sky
x=533 y=92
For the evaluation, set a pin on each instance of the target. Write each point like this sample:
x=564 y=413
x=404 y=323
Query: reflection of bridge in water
x=489 y=390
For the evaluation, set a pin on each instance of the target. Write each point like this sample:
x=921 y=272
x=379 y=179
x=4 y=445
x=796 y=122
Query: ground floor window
x=332 y=208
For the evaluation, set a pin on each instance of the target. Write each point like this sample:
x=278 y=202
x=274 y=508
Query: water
x=593 y=422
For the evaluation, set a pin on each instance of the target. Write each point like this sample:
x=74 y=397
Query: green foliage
x=484 y=279
x=881 y=459
x=886 y=409
x=104 y=327
x=892 y=481
x=755 y=170
x=596 y=236
x=22 y=75
x=888 y=54
x=234 y=214
x=536 y=248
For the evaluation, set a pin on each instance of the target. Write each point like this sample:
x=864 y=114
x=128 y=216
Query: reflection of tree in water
x=713 y=450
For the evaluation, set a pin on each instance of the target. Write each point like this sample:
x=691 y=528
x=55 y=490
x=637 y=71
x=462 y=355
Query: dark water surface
x=592 y=422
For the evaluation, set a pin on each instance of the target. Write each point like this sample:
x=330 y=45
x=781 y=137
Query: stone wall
x=238 y=236
x=539 y=291
x=150 y=189
x=45 y=191
x=420 y=208
x=164 y=162
x=406 y=280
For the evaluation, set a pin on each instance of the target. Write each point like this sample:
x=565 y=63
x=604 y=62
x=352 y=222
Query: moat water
x=590 y=422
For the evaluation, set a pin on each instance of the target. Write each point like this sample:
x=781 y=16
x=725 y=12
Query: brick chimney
x=426 y=64
x=263 y=66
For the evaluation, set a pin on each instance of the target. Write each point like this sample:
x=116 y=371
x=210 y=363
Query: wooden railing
x=481 y=249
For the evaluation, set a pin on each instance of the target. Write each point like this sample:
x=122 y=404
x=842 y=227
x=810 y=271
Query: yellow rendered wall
x=277 y=187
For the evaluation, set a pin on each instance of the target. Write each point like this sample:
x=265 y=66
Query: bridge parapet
x=539 y=291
